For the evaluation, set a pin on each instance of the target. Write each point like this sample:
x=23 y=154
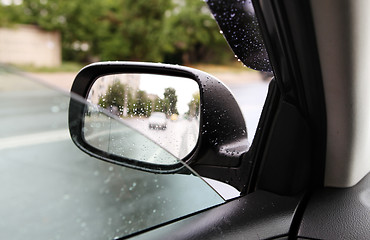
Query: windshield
x=43 y=169
x=52 y=190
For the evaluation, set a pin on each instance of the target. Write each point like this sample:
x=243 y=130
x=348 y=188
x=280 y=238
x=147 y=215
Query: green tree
x=135 y=30
x=170 y=101
x=114 y=96
x=158 y=105
x=195 y=34
x=10 y=14
x=142 y=30
x=143 y=106
x=194 y=105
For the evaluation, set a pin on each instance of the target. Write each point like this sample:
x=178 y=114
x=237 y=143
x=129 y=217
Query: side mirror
x=156 y=117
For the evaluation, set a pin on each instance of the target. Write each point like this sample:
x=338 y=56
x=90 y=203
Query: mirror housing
x=238 y=23
x=222 y=134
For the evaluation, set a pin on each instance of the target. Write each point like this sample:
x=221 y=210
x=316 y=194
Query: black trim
x=255 y=154
x=291 y=42
x=259 y=215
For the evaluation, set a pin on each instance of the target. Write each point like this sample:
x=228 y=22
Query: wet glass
x=52 y=190
x=155 y=117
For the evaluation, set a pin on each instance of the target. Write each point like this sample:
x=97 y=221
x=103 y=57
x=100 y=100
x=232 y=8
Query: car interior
x=116 y=158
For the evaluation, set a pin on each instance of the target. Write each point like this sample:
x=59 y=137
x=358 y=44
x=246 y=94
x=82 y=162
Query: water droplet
x=55 y=109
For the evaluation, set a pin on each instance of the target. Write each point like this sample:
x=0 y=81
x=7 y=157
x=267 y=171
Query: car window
x=173 y=38
x=52 y=190
x=118 y=30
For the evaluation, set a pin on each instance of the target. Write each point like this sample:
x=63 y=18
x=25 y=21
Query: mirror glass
x=145 y=117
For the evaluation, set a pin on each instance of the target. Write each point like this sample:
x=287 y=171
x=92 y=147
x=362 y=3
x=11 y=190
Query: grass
x=64 y=67
x=234 y=67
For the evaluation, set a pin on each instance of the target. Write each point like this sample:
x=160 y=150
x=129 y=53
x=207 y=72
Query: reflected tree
x=143 y=105
x=194 y=105
x=170 y=101
x=158 y=105
x=114 y=96
x=118 y=98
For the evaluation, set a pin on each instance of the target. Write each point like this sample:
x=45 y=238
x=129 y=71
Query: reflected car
x=157 y=120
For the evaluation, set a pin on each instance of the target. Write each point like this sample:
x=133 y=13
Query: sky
x=185 y=88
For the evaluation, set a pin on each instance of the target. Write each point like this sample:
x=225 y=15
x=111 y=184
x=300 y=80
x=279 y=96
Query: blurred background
x=46 y=179
x=171 y=31
x=52 y=40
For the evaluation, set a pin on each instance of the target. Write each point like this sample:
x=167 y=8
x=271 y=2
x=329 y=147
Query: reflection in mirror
x=152 y=118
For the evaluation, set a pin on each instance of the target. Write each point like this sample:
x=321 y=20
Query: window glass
x=52 y=190
x=119 y=30
x=138 y=30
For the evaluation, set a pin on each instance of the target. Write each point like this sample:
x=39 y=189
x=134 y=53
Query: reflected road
x=132 y=137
